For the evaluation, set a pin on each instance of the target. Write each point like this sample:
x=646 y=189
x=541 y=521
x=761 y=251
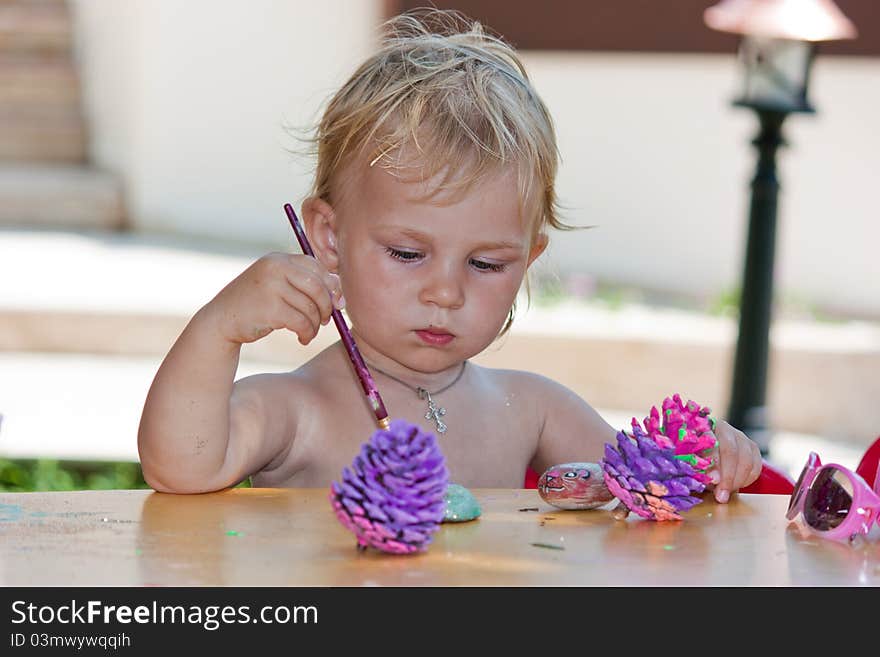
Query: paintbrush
x=357 y=361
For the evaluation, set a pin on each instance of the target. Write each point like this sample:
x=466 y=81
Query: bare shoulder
x=266 y=389
x=267 y=413
x=530 y=385
x=281 y=396
x=571 y=429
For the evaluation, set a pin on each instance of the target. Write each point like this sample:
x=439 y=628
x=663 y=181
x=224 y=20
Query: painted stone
x=574 y=486
x=461 y=505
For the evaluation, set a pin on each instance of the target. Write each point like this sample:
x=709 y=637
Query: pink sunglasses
x=835 y=501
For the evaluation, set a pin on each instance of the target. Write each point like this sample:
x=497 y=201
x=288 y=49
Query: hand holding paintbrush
x=360 y=367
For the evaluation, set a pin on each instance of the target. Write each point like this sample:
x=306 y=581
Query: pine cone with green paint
x=657 y=470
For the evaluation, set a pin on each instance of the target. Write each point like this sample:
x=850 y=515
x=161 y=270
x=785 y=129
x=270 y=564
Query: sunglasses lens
x=798 y=492
x=828 y=501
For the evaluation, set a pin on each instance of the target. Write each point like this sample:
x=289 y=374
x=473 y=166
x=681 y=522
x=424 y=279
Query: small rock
x=574 y=486
x=461 y=505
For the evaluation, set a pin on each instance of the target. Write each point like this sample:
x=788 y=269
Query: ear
x=538 y=246
x=319 y=221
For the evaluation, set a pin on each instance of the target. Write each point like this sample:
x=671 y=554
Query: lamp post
x=777 y=48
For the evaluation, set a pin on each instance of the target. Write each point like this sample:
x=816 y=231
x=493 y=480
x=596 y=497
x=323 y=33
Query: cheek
x=489 y=305
x=359 y=272
x=371 y=288
x=492 y=303
x=490 y=297
x=498 y=289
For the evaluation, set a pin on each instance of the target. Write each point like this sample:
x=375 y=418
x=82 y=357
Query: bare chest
x=488 y=440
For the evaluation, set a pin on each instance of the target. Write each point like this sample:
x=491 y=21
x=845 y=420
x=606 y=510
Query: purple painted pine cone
x=393 y=496
x=647 y=478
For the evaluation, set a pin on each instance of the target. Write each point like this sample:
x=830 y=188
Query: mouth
x=435 y=337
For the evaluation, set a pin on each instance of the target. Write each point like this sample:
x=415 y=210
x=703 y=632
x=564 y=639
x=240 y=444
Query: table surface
x=290 y=537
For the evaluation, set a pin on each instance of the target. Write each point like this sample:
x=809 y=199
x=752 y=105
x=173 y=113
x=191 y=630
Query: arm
x=573 y=431
x=199 y=432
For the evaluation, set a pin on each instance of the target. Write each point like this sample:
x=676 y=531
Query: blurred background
x=147 y=148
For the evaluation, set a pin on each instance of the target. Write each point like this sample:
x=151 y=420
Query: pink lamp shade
x=799 y=20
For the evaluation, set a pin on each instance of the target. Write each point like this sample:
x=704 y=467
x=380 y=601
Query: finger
x=757 y=463
x=727 y=459
x=745 y=461
x=331 y=280
x=300 y=301
x=312 y=285
x=295 y=320
x=336 y=291
x=713 y=470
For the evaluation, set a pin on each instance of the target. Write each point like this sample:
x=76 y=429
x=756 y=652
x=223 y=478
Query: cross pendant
x=434 y=412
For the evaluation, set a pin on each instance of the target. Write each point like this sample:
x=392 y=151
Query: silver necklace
x=434 y=411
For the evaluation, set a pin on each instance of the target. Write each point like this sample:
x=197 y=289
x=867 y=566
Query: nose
x=443 y=287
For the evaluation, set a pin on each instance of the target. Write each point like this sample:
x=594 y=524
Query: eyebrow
x=487 y=246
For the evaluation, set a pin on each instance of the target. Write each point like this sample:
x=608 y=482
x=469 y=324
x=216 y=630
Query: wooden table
x=290 y=537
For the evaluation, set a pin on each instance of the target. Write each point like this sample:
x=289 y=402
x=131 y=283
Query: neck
x=380 y=364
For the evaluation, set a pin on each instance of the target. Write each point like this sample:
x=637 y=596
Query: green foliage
x=787 y=304
x=616 y=297
x=551 y=290
x=52 y=475
x=28 y=475
x=793 y=305
x=725 y=303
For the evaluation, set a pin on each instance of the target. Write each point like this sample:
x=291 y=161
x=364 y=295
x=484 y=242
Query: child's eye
x=405 y=256
x=482 y=265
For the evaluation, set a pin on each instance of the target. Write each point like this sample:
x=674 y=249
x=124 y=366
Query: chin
x=433 y=359
x=426 y=360
x=406 y=348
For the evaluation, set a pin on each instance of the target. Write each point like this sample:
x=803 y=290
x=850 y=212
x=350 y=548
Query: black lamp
x=777 y=49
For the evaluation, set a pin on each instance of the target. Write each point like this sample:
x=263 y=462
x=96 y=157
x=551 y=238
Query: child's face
x=430 y=282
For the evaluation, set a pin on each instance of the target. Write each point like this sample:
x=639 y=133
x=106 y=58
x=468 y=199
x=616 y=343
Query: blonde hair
x=442 y=86
x=458 y=98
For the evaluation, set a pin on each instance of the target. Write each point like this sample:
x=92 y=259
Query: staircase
x=46 y=179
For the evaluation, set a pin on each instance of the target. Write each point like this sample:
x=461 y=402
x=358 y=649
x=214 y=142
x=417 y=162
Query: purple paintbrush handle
x=360 y=367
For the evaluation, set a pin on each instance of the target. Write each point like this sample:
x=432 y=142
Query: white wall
x=187 y=101
x=655 y=155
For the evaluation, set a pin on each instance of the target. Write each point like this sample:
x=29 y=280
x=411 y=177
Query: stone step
x=28 y=85
x=59 y=197
x=42 y=136
x=27 y=3
x=35 y=29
